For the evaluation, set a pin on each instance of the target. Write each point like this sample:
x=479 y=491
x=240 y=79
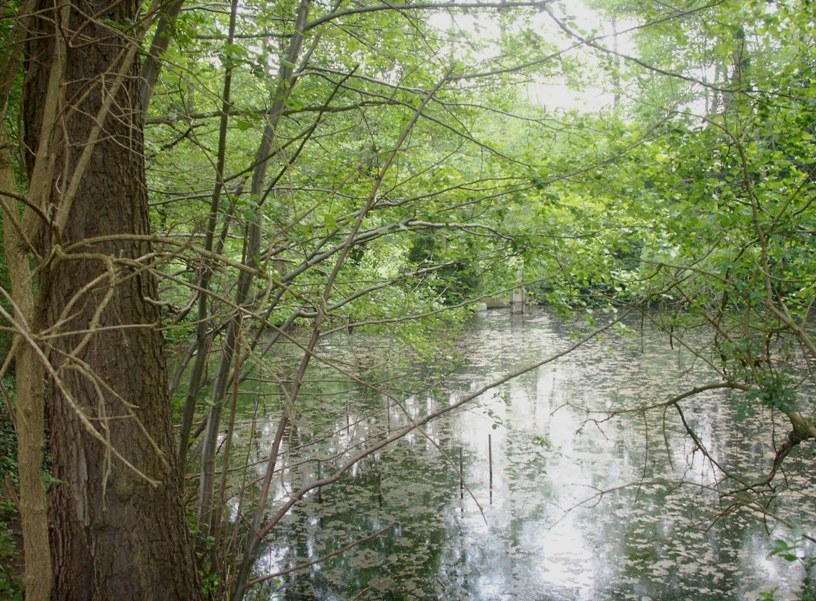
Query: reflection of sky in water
x=564 y=519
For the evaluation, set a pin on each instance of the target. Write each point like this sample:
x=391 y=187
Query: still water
x=531 y=492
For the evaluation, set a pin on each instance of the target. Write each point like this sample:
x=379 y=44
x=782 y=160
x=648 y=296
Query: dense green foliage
x=422 y=160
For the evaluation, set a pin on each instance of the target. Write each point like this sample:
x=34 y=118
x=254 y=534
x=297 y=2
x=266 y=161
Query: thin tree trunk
x=30 y=392
x=286 y=79
x=161 y=41
x=203 y=337
x=616 y=75
x=254 y=536
x=290 y=393
x=219 y=547
x=29 y=398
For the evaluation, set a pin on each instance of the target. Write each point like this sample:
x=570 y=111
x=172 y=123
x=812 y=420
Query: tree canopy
x=314 y=168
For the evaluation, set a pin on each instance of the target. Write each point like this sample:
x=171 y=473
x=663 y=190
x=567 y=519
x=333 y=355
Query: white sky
x=548 y=92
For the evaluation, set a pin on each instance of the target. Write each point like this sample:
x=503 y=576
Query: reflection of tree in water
x=686 y=532
x=663 y=556
x=406 y=486
x=664 y=523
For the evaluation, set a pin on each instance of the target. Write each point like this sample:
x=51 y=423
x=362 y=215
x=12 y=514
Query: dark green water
x=529 y=493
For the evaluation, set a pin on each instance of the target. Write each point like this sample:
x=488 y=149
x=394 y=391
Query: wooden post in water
x=461 y=476
x=490 y=464
x=518 y=300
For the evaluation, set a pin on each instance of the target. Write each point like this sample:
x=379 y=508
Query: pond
x=531 y=492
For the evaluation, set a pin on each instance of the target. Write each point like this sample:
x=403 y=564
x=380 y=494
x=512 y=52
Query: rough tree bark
x=118 y=527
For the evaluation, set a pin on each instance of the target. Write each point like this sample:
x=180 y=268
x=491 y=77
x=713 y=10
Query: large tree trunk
x=118 y=527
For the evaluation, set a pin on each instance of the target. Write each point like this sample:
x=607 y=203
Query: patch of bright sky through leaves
x=552 y=92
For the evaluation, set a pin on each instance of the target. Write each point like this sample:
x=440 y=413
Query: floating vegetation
x=550 y=487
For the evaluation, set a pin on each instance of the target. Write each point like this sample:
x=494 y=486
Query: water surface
x=532 y=492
